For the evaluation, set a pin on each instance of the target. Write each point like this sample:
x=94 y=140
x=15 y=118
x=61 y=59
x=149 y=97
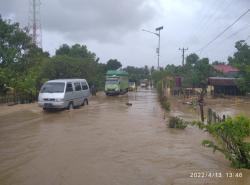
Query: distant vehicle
x=144 y=83
x=131 y=86
x=116 y=82
x=64 y=93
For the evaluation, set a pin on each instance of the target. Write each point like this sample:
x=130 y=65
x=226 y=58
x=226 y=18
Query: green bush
x=159 y=89
x=231 y=135
x=175 y=122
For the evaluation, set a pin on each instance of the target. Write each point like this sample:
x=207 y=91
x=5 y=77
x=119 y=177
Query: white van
x=64 y=93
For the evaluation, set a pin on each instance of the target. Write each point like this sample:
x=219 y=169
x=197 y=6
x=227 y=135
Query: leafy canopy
x=241 y=60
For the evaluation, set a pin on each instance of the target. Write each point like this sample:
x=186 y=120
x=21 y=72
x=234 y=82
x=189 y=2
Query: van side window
x=77 y=86
x=84 y=86
x=69 y=87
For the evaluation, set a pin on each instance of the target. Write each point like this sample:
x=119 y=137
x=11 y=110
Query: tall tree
x=241 y=60
x=75 y=62
x=76 y=51
x=192 y=59
x=18 y=57
x=113 y=64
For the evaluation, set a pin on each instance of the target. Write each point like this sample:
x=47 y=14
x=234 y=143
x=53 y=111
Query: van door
x=68 y=93
x=78 y=93
x=85 y=89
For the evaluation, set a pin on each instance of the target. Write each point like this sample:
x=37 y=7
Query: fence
x=18 y=99
x=213 y=117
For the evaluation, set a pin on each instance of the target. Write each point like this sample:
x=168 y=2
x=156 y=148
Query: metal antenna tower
x=34 y=25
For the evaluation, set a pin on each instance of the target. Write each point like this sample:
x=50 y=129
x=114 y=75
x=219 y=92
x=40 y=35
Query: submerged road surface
x=106 y=143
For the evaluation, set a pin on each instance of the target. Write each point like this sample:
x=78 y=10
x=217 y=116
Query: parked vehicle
x=64 y=93
x=116 y=82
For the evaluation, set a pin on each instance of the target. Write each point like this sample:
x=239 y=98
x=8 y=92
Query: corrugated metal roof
x=222 y=81
x=225 y=68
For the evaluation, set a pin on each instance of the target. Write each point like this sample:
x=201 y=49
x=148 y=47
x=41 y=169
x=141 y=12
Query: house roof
x=221 y=81
x=225 y=68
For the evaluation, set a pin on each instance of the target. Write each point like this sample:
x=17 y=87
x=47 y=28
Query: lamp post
x=158 y=34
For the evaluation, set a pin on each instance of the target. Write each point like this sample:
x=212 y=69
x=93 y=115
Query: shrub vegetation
x=231 y=136
x=176 y=122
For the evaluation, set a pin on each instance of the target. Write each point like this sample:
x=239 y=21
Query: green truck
x=116 y=82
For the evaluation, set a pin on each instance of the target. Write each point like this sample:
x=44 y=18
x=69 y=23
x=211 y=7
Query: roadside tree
x=113 y=64
x=241 y=60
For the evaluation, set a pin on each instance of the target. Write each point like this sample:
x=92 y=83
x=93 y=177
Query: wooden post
x=201 y=103
x=224 y=118
x=214 y=117
x=162 y=90
x=209 y=116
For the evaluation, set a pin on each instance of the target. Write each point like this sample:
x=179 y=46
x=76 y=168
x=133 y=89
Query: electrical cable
x=221 y=33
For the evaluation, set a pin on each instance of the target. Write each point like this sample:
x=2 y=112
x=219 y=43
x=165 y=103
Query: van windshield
x=53 y=87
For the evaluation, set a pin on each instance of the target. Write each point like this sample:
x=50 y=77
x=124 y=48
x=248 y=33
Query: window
x=53 y=87
x=77 y=86
x=84 y=86
x=69 y=87
x=111 y=81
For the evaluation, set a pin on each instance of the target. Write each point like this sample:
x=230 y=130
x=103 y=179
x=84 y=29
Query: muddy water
x=106 y=143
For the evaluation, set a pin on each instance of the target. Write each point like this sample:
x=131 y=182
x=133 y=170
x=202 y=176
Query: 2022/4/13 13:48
x=215 y=175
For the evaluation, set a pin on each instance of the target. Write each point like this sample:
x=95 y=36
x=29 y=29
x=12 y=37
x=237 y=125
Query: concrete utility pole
x=158 y=34
x=183 y=54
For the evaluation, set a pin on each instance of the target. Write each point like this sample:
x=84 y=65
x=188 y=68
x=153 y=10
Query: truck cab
x=116 y=82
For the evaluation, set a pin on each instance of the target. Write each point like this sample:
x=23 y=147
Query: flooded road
x=106 y=143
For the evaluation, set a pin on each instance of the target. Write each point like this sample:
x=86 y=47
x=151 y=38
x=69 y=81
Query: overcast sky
x=113 y=29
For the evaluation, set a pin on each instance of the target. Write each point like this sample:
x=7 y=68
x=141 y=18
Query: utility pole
x=183 y=54
x=159 y=45
x=158 y=34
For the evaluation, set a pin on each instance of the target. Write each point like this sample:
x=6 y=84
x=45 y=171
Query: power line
x=220 y=34
x=221 y=7
x=215 y=16
x=236 y=33
x=204 y=17
x=209 y=13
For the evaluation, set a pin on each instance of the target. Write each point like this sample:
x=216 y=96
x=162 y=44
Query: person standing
x=93 y=90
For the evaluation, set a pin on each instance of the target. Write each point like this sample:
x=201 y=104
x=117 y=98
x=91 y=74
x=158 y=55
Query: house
x=227 y=70
x=226 y=82
x=224 y=85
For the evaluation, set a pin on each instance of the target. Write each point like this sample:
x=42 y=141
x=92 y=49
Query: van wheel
x=85 y=102
x=71 y=106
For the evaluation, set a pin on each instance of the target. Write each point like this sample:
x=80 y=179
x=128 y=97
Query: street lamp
x=158 y=34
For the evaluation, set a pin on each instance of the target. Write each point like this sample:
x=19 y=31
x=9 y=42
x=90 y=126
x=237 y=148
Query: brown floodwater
x=107 y=143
